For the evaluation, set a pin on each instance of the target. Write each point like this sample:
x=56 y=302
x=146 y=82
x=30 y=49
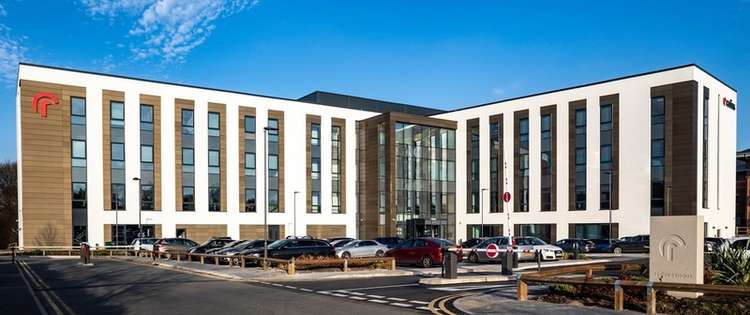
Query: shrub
x=731 y=266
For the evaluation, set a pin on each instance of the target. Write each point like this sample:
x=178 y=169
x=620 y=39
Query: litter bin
x=509 y=261
x=450 y=264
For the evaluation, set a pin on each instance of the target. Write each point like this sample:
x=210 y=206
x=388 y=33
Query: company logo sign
x=41 y=101
x=669 y=244
x=729 y=103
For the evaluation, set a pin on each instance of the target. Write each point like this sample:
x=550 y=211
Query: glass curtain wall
x=78 y=169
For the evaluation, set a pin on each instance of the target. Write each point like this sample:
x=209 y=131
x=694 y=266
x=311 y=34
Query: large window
x=188 y=161
x=78 y=169
x=545 y=232
x=314 y=168
x=336 y=169
x=147 y=158
x=605 y=156
x=475 y=193
x=580 y=159
x=273 y=165
x=657 y=156
x=704 y=194
x=214 y=162
x=250 y=204
x=117 y=150
x=523 y=167
x=496 y=167
x=425 y=181
x=546 y=151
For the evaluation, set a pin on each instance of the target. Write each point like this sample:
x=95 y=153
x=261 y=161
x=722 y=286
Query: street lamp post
x=140 y=197
x=265 y=186
x=481 y=209
x=295 y=212
x=117 y=225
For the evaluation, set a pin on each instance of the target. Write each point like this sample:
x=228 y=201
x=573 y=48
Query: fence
x=552 y=277
x=68 y=250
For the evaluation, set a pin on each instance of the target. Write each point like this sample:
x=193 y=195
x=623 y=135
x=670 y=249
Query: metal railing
x=67 y=250
x=553 y=277
x=742 y=231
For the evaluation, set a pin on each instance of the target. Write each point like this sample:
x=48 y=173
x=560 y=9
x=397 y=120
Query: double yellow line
x=439 y=305
x=37 y=286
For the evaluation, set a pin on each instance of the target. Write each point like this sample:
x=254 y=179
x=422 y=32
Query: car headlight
x=255 y=255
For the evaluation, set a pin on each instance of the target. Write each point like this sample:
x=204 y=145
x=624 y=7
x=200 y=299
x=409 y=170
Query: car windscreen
x=147 y=241
x=277 y=244
x=442 y=242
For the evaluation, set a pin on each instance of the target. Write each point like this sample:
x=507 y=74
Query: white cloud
x=167 y=29
x=498 y=91
x=11 y=53
x=2 y=10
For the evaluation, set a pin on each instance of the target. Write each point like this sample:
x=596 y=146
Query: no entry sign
x=492 y=250
x=506 y=196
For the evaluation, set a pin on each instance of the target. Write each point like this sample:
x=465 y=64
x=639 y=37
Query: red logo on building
x=729 y=103
x=41 y=101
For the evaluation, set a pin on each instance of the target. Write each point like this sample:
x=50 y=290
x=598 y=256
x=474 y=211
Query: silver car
x=478 y=253
x=358 y=248
x=526 y=248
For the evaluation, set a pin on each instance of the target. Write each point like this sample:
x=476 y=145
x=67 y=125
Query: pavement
x=504 y=302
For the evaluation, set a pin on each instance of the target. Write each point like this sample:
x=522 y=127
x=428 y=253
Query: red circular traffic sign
x=492 y=250
x=506 y=196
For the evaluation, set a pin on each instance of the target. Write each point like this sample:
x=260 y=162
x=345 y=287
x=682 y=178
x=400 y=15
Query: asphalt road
x=62 y=286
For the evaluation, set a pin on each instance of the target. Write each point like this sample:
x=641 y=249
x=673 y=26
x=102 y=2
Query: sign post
x=492 y=251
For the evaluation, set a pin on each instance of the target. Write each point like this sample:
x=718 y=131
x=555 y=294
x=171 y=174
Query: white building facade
x=100 y=155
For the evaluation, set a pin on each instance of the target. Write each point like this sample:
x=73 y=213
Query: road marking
x=339 y=295
x=419 y=302
x=401 y=304
x=356 y=293
x=385 y=287
x=358 y=298
x=377 y=301
x=277 y=285
x=45 y=293
x=396 y=299
x=375 y=296
x=323 y=292
x=342 y=291
x=306 y=290
x=423 y=308
x=290 y=287
x=472 y=287
x=31 y=291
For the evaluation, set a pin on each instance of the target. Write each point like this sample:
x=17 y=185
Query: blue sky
x=442 y=54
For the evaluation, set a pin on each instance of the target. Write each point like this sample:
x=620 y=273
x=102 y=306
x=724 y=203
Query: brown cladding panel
x=280 y=116
x=46 y=168
x=221 y=109
x=244 y=111
x=155 y=101
x=552 y=111
x=326 y=230
x=255 y=231
x=180 y=104
x=203 y=232
x=681 y=175
x=572 y=107
x=341 y=123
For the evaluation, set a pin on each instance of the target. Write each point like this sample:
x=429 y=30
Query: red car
x=425 y=252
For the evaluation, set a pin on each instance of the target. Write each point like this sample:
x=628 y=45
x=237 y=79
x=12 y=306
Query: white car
x=528 y=246
x=146 y=244
x=358 y=248
x=740 y=243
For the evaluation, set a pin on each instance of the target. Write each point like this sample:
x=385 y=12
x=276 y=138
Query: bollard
x=346 y=265
x=619 y=297
x=650 y=298
x=216 y=260
x=522 y=289
x=13 y=254
x=538 y=260
x=203 y=259
x=242 y=261
x=393 y=263
x=507 y=262
x=589 y=274
x=291 y=268
x=575 y=250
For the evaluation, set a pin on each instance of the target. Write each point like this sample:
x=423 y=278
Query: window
x=187 y=118
x=335 y=169
x=249 y=200
x=273 y=200
x=580 y=159
x=188 y=198
x=315 y=202
x=213 y=120
x=657 y=156
x=213 y=158
x=117 y=154
x=78 y=185
x=118 y=196
x=117 y=112
x=147 y=154
x=315 y=168
x=249 y=180
x=188 y=160
x=496 y=167
x=546 y=157
x=147 y=197
x=147 y=113
x=523 y=167
x=475 y=197
x=214 y=161
x=79 y=149
x=314 y=175
x=79 y=196
x=147 y=157
x=605 y=154
x=315 y=134
x=706 y=94
x=187 y=156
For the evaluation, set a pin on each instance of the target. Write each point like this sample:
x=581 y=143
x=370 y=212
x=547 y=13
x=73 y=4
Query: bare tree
x=8 y=204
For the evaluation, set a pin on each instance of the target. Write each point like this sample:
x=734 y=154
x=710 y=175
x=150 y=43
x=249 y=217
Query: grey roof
x=368 y=104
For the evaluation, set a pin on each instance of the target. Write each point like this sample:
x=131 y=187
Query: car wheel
x=473 y=258
x=379 y=253
x=426 y=262
x=346 y=255
x=617 y=250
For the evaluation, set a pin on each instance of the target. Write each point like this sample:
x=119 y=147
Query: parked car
x=569 y=245
x=146 y=243
x=286 y=249
x=216 y=242
x=174 y=246
x=632 y=244
x=357 y=248
x=227 y=245
x=478 y=253
x=740 y=243
x=424 y=252
x=334 y=239
x=602 y=245
x=341 y=242
x=529 y=246
x=471 y=242
x=391 y=242
x=246 y=244
x=713 y=243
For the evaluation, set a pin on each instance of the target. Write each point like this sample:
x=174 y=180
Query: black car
x=471 y=242
x=286 y=249
x=248 y=244
x=713 y=243
x=391 y=242
x=217 y=242
x=341 y=242
x=569 y=245
x=632 y=244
